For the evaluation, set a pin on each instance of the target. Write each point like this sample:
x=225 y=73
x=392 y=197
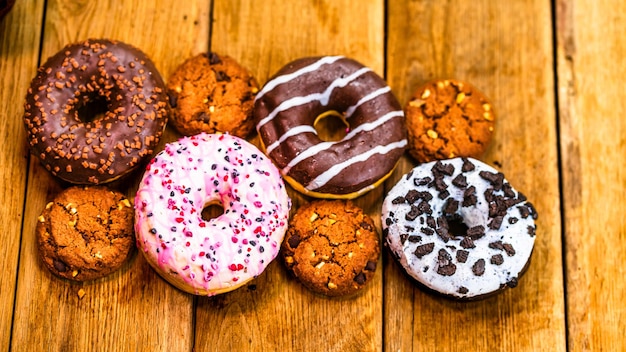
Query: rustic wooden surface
x=553 y=72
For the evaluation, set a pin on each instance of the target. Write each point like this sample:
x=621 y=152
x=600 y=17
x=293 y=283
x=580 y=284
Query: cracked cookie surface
x=331 y=247
x=212 y=93
x=447 y=119
x=86 y=232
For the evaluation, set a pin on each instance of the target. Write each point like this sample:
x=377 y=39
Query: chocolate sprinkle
x=430 y=221
x=461 y=256
x=495 y=223
x=451 y=206
x=524 y=211
x=508 y=248
x=476 y=232
x=497 y=259
x=460 y=181
x=479 y=267
x=422 y=181
x=415 y=238
x=441 y=168
x=469 y=197
x=411 y=196
x=497 y=245
x=424 y=208
x=495 y=179
x=462 y=290
x=398 y=200
x=424 y=249
x=467 y=165
x=413 y=213
x=467 y=242
x=445 y=265
x=427 y=231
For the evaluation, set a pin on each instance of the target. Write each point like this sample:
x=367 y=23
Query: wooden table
x=555 y=75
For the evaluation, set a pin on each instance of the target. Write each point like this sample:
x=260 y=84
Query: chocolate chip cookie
x=332 y=247
x=212 y=93
x=447 y=119
x=86 y=233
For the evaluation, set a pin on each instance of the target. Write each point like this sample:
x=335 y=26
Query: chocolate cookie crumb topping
x=445 y=265
x=424 y=249
x=479 y=267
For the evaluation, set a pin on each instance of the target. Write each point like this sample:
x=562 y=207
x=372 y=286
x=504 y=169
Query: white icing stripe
x=323 y=146
x=305 y=154
x=288 y=77
x=367 y=98
x=327 y=175
x=292 y=132
x=369 y=126
x=322 y=97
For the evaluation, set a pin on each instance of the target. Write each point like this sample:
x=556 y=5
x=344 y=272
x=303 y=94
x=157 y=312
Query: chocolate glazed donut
x=67 y=92
x=308 y=89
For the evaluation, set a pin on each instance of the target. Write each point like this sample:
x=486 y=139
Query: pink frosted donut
x=207 y=257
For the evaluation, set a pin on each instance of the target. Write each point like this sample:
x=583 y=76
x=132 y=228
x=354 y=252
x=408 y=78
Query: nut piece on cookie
x=447 y=119
x=331 y=247
x=212 y=93
x=86 y=233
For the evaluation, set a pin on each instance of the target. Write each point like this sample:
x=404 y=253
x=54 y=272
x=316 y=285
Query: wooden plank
x=511 y=61
x=18 y=58
x=593 y=145
x=132 y=309
x=276 y=313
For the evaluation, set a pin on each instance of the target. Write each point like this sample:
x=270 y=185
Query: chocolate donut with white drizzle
x=310 y=89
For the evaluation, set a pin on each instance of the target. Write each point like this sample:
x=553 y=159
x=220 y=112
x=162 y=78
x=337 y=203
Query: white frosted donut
x=215 y=256
x=459 y=228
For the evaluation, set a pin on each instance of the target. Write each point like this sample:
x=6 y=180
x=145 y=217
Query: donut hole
x=92 y=109
x=212 y=210
x=456 y=226
x=331 y=126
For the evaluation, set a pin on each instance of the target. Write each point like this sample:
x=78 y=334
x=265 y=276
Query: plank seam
x=28 y=159
x=555 y=63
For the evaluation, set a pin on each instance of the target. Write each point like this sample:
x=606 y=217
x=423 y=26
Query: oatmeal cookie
x=447 y=119
x=331 y=247
x=86 y=233
x=212 y=93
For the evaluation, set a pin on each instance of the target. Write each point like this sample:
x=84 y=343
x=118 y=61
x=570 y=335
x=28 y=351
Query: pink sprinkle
x=258 y=204
x=234 y=239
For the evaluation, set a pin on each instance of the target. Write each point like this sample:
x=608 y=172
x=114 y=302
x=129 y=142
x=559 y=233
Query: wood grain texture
x=277 y=313
x=506 y=49
x=19 y=51
x=593 y=145
x=511 y=62
x=132 y=309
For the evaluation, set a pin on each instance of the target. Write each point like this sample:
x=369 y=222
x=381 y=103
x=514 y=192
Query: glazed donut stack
x=96 y=111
